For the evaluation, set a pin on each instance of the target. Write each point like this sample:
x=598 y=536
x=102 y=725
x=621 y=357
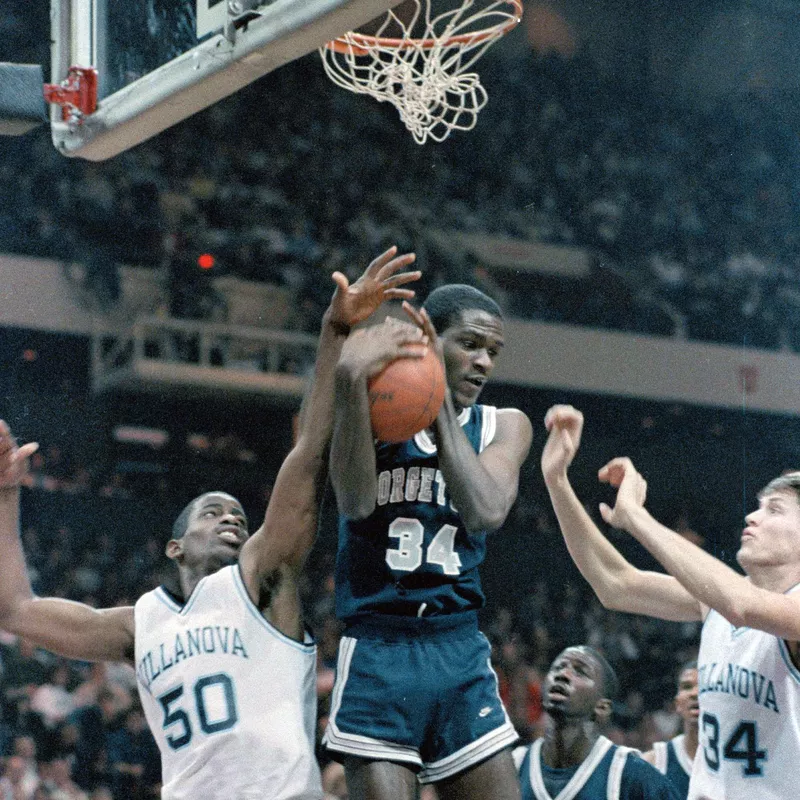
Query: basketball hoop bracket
x=76 y=94
x=240 y=13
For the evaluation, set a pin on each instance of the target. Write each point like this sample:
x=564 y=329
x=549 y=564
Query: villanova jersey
x=749 y=715
x=412 y=556
x=673 y=761
x=230 y=700
x=609 y=772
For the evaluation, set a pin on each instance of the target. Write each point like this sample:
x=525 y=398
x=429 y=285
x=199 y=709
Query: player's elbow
x=619 y=593
x=12 y=616
x=355 y=505
x=484 y=523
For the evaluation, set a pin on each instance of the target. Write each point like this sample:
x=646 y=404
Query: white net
x=425 y=70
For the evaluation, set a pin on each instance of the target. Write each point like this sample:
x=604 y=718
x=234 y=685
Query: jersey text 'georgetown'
x=230 y=700
x=412 y=557
x=749 y=715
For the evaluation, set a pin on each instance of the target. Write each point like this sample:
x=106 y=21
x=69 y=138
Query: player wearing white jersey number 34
x=749 y=663
x=225 y=669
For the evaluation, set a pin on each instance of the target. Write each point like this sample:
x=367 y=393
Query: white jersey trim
x=423 y=440
x=308 y=645
x=488 y=745
x=679 y=746
x=577 y=781
x=354 y=743
x=489 y=426
x=614 y=783
x=661 y=753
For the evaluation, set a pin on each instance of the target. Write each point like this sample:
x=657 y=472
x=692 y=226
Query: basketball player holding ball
x=415 y=699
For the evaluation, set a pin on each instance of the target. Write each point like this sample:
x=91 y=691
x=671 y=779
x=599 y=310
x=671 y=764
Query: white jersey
x=749 y=716
x=230 y=700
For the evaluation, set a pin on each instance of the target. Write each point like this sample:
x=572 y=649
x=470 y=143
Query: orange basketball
x=406 y=397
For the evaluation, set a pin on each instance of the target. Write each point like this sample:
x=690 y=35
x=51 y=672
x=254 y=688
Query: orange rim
x=360 y=44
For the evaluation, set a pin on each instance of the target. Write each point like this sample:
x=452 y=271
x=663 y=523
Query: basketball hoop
x=426 y=76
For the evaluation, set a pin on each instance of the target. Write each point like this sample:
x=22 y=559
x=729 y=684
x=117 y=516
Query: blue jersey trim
x=165 y=598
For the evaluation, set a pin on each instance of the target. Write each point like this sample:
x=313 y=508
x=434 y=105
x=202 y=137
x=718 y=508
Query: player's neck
x=189 y=578
x=568 y=743
x=690 y=738
x=775 y=578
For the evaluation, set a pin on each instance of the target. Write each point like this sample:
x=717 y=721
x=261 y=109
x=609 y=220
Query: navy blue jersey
x=673 y=761
x=609 y=772
x=412 y=555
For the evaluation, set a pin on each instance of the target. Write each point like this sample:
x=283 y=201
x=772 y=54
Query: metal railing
x=156 y=351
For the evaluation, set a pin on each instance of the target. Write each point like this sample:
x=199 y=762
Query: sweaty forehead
x=480 y=322
x=786 y=495
x=579 y=656
x=217 y=499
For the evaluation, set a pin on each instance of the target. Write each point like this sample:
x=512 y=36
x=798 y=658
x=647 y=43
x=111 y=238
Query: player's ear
x=602 y=710
x=174 y=549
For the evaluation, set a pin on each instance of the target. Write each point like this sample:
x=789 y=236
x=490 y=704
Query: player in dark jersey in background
x=674 y=758
x=415 y=698
x=573 y=760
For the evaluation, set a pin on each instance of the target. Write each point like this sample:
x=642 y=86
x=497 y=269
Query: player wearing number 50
x=225 y=668
x=415 y=698
x=749 y=663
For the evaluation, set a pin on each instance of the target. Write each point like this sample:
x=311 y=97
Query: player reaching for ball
x=224 y=665
x=415 y=699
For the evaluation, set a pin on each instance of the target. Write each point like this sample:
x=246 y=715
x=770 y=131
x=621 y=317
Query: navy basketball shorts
x=418 y=692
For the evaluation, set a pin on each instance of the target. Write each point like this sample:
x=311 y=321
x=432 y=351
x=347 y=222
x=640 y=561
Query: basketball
x=406 y=397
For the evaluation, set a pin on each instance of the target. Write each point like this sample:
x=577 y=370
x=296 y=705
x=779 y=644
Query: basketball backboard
x=160 y=61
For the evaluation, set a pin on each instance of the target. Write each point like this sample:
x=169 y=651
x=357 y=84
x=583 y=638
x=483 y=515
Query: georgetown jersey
x=230 y=700
x=749 y=715
x=609 y=772
x=672 y=760
x=412 y=556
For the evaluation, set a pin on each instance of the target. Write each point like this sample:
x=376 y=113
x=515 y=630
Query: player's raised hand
x=368 y=350
x=564 y=424
x=353 y=303
x=631 y=491
x=13 y=459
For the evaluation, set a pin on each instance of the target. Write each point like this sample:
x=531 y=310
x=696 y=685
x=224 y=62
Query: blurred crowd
x=688 y=214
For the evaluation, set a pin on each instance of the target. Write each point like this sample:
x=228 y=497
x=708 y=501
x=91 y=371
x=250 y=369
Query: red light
x=206 y=261
x=29 y=354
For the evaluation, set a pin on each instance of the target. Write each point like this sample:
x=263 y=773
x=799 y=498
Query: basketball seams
x=405 y=397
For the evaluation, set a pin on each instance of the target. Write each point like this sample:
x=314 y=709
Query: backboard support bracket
x=76 y=94
x=261 y=40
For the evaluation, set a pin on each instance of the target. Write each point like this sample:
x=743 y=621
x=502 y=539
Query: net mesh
x=426 y=70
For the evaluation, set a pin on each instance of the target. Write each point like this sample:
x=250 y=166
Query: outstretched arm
x=483 y=486
x=352 y=459
x=617 y=583
x=70 y=629
x=708 y=579
x=287 y=533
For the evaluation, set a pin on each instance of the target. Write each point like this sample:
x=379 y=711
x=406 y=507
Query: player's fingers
x=606 y=513
x=27 y=450
x=4 y=429
x=412 y=352
x=376 y=265
x=609 y=473
x=399 y=294
x=388 y=269
x=413 y=314
x=427 y=325
x=391 y=281
x=340 y=279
